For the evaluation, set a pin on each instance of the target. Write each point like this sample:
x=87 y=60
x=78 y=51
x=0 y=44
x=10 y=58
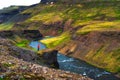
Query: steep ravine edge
x=17 y=63
x=99 y=48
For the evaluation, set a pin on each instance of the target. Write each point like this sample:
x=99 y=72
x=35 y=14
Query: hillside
x=80 y=19
x=87 y=30
x=10 y=15
x=88 y=16
x=21 y=64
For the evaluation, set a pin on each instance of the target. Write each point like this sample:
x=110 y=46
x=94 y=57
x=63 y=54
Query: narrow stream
x=78 y=66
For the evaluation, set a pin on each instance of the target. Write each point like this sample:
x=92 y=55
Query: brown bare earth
x=101 y=49
x=17 y=63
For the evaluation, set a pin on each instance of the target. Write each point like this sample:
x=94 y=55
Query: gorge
x=85 y=32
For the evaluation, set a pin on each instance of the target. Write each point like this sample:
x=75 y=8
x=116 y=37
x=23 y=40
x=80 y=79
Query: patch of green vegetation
x=60 y=31
x=23 y=43
x=7 y=64
x=8 y=9
x=6 y=26
x=98 y=15
x=1 y=79
x=95 y=15
x=100 y=26
x=54 y=41
x=103 y=59
x=99 y=50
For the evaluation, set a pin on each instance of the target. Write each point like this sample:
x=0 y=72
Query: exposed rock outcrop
x=48 y=1
x=51 y=58
x=7 y=48
x=9 y=12
x=98 y=48
x=28 y=34
x=13 y=67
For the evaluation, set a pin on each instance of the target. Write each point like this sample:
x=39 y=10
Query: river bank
x=17 y=63
x=75 y=65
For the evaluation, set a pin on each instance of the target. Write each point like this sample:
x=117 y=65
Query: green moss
x=107 y=60
x=6 y=26
x=83 y=14
x=52 y=42
x=23 y=43
x=60 y=31
x=7 y=64
x=100 y=26
x=1 y=79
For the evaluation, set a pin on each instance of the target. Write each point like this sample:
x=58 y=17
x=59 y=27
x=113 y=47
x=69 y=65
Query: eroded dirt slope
x=17 y=63
x=100 y=48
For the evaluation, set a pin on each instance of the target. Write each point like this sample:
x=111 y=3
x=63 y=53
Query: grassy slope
x=9 y=23
x=52 y=42
x=6 y=26
x=107 y=60
x=92 y=16
x=9 y=9
x=96 y=16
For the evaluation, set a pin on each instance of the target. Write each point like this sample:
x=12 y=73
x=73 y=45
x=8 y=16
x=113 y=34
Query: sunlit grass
x=81 y=14
x=100 y=26
x=90 y=16
x=6 y=26
x=20 y=41
x=52 y=42
x=110 y=60
x=47 y=18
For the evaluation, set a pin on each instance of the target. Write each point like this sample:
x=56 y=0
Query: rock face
x=51 y=58
x=47 y=1
x=28 y=34
x=14 y=67
x=66 y=1
x=7 y=48
x=98 y=48
x=9 y=12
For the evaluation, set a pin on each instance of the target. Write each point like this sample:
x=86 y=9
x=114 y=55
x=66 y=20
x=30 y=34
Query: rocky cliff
x=9 y=12
x=98 y=48
x=93 y=26
x=17 y=63
x=25 y=34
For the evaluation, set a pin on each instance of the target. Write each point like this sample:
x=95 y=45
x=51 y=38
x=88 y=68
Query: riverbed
x=78 y=66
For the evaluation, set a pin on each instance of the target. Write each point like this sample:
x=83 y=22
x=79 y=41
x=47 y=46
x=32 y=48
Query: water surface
x=78 y=66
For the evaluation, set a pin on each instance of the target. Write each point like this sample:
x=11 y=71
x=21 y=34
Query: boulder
x=51 y=58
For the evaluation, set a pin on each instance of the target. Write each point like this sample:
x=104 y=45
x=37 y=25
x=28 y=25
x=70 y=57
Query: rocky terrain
x=16 y=63
x=91 y=29
x=9 y=12
x=99 y=48
x=24 y=34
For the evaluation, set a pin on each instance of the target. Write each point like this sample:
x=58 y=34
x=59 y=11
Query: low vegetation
x=23 y=43
x=6 y=26
x=9 y=9
x=20 y=41
x=100 y=26
x=55 y=41
x=101 y=58
x=97 y=15
x=87 y=17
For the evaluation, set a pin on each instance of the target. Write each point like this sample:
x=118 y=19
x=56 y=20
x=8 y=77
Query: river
x=78 y=66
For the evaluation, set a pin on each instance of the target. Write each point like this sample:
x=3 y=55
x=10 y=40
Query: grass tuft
x=52 y=42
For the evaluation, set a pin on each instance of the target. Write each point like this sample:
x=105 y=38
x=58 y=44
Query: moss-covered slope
x=80 y=19
x=99 y=15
